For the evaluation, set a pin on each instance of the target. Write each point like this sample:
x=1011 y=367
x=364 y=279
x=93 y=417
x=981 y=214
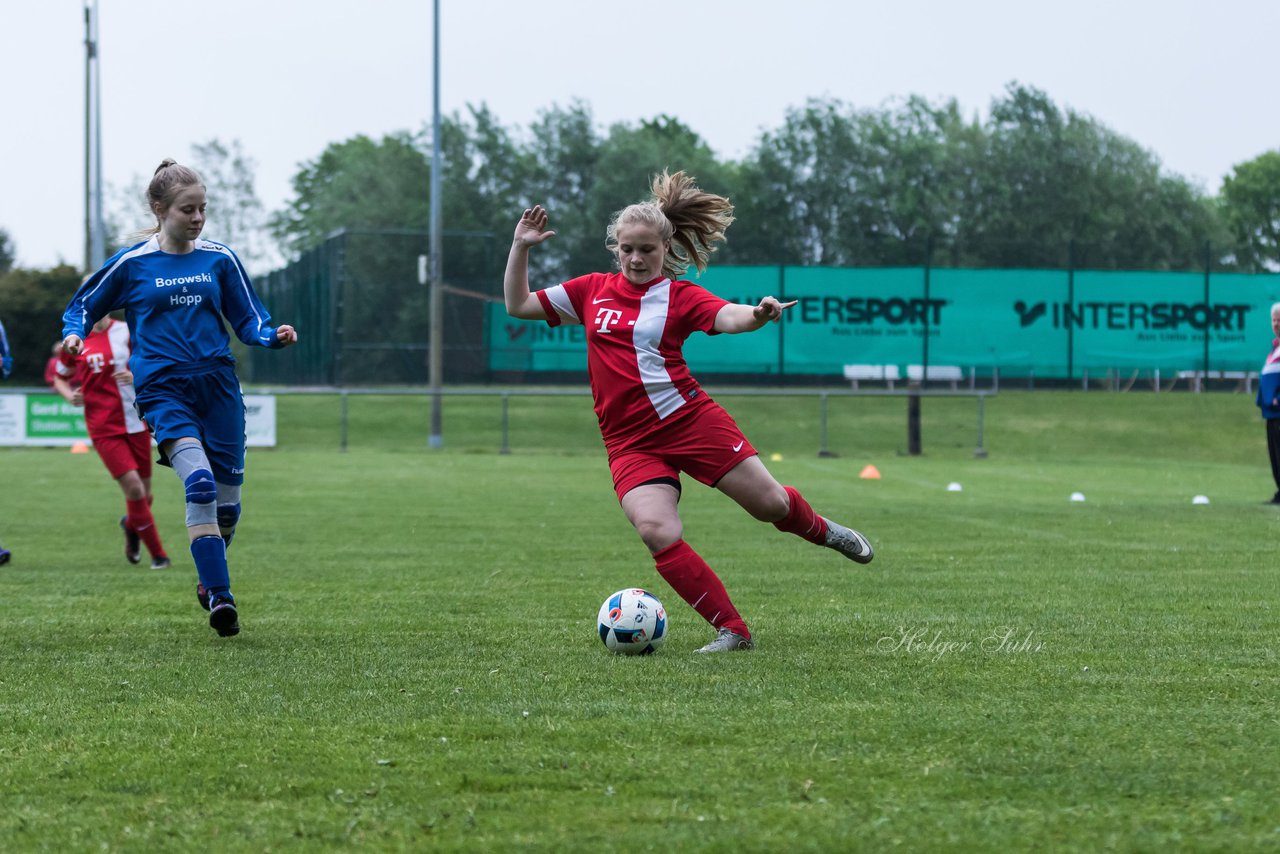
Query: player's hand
x=770 y=309
x=77 y=397
x=124 y=377
x=532 y=228
x=286 y=335
x=72 y=344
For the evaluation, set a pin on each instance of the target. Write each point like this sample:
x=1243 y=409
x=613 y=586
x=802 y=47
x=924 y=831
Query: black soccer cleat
x=223 y=618
x=132 y=543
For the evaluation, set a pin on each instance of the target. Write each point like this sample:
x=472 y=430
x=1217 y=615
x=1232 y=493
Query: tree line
x=1033 y=185
x=907 y=183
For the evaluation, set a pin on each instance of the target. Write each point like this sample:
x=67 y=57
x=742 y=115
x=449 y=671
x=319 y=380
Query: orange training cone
x=80 y=448
x=870 y=473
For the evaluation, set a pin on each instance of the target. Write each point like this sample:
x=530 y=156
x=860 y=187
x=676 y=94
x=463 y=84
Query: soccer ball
x=632 y=622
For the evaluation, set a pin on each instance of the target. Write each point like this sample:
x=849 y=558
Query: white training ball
x=632 y=622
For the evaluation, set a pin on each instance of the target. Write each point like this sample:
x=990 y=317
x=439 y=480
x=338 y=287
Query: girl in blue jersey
x=6 y=360
x=175 y=290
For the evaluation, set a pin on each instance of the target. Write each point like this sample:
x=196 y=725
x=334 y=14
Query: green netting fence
x=362 y=312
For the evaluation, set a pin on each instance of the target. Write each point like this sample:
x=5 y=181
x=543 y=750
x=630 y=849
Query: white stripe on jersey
x=118 y=336
x=244 y=281
x=647 y=336
x=152 y=245
x=559 y=300
x=1272 y=365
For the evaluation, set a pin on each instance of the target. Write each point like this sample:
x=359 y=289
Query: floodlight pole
x=436 y=355
x=94 y=237
x=88 y=135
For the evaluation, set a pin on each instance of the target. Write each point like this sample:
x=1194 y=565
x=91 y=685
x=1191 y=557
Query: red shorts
x=125 y=452
x=705 y=445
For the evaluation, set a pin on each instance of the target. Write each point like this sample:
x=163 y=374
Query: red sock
x=142 y=523
x=801 y=520
x=688 y=574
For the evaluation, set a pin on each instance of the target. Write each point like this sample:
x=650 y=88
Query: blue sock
x=210 y=555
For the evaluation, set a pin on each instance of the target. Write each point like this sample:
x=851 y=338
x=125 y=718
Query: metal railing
x=911 y=395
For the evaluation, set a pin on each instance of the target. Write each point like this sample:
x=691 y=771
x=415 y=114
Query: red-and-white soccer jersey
x=108 y=406
x=634 y=338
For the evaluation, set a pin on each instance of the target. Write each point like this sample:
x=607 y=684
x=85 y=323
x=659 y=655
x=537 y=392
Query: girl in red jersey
x=51 y=366
x=98 y=379
x=655 y=419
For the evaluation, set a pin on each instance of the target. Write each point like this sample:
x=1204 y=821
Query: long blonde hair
x=692 y=219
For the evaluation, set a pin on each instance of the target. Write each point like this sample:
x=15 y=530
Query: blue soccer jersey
x=1269 y=384
x=6 y=361
x=174 y=305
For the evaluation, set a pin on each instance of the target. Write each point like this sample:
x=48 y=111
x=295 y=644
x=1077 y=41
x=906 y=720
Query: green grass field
x=419 y=668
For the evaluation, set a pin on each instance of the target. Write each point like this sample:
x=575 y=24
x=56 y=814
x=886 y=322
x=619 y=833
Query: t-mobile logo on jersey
x=95 y=361
x=607 y=318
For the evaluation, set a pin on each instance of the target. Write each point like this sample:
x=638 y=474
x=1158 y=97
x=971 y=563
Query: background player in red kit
x=655 y=419
x=120 y=436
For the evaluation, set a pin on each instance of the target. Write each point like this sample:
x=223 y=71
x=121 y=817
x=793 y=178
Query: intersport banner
x=1047 y=323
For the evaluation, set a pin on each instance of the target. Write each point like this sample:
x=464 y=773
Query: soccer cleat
x=161 y=562
x=728 y=641
x=202 y=596
x=848 y=542
x=132 y=543
x=5 y=554
x=222 y=615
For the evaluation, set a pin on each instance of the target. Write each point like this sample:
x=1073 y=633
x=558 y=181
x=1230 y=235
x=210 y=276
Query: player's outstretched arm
x=736 y=317
x=530 y=231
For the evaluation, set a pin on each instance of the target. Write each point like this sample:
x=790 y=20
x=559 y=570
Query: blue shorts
x=208 y=406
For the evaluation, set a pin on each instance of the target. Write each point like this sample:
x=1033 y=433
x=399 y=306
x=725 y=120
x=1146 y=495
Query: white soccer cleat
x=848 y=542
x=728 y=641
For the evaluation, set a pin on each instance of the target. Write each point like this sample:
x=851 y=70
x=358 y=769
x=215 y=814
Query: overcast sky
x=1194 y=82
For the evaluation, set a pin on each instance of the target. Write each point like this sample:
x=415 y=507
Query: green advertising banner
x=40 y=419
x=993 y=320
x=1240 y=337
x=1046 y=323
x=740 y=354
x=526 y=345
x=841 y=316
x=51 y=417
x=49 y=421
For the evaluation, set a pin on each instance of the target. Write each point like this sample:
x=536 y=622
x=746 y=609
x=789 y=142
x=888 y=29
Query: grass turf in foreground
x=419 y=666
